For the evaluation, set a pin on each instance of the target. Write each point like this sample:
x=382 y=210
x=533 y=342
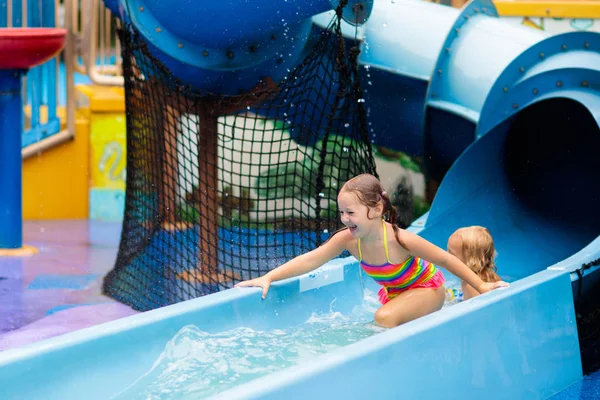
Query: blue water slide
x=530 y=181
x=520 y=343
x=432 y=67
x=526 y=107
x=506 y=115
x=228 y=47
x=453 y=76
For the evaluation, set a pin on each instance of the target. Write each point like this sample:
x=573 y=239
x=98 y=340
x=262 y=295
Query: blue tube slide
x=445 y=77
x=432 y=67
x=507 y=116
x=227 y=47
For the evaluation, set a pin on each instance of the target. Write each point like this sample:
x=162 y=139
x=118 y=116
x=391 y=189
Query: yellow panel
x=56 y=184
x=108 y=155
x=551 y=9
x=101 y=98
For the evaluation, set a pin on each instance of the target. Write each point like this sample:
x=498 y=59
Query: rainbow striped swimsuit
x=396 y=278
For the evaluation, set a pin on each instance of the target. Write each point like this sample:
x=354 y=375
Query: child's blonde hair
x=479 y=252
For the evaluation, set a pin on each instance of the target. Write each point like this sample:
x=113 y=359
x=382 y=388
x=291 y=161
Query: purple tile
x=60 y=283
x=75 y=282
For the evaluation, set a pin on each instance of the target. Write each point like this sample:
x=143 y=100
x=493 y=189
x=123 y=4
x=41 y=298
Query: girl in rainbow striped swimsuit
x=404 y=264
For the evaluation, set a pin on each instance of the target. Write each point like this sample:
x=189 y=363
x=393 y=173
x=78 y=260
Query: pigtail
x=391 y=212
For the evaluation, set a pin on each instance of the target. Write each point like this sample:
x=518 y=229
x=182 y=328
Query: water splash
x=196 y=364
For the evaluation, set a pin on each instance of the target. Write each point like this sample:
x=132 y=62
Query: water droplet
x=346 y=125
x=361 y=100
x=247 y=107
x=370 y=83
x=321 y=194
x=325 y=231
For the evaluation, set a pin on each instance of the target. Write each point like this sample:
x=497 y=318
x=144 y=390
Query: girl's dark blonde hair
x=479 y=252
x=369 y=191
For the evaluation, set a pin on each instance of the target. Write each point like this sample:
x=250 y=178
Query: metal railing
x=99 y=47
x=43 y=127
x=91 y=49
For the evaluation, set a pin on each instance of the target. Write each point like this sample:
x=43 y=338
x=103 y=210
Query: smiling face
x=360 y=219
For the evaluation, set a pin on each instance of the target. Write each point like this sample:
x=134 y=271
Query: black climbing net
x=225 y=188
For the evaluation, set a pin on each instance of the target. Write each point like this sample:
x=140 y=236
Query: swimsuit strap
x=385 y=245
x=387 y=253
x=359 y=252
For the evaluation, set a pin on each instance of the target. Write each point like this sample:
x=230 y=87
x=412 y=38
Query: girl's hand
x=264 y=282
x=488 y=286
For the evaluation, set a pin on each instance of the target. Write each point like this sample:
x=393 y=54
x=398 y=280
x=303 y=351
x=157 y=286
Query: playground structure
x=28 y=48
x=493 y=169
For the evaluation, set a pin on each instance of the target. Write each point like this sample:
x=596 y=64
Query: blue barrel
x=227 y=47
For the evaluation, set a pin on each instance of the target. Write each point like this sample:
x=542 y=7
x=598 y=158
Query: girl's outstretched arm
x=428 y=251
x=303 y=263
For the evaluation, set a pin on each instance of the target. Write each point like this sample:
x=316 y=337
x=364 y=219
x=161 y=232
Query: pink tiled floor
x=58 y=290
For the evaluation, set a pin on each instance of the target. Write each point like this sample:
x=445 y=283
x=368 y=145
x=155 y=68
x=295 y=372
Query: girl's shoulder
x=343 y=235
x=390 y=229
x=344 y=240
x=394 y=235
x=346 y=236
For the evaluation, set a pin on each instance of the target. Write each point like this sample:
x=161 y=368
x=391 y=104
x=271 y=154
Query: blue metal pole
x=11 y=127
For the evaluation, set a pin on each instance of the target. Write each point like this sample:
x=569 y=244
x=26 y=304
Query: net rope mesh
x=225 y=188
